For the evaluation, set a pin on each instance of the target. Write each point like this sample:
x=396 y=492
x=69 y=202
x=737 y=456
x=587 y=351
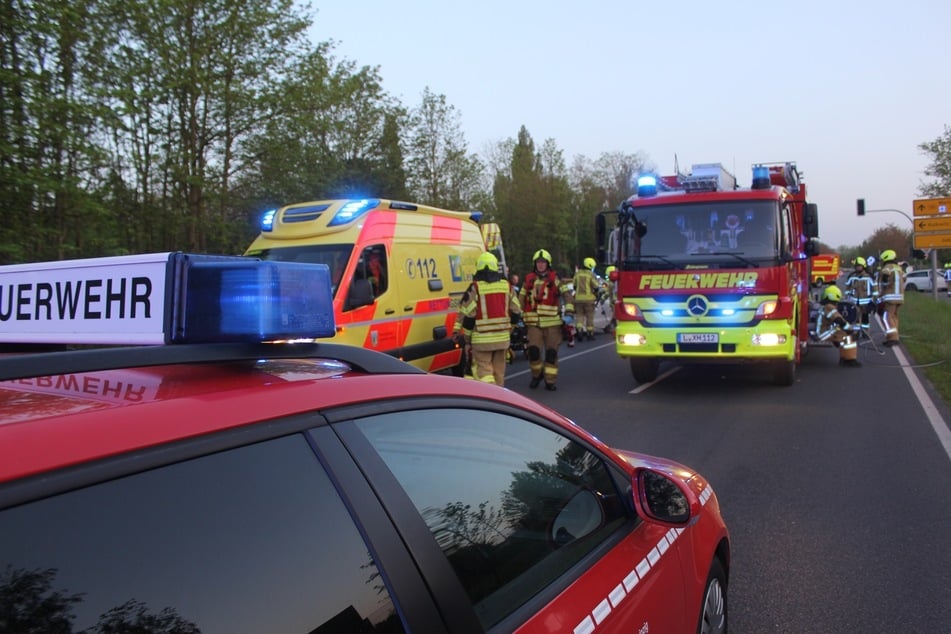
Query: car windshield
x=335 y=256
x=723 y=234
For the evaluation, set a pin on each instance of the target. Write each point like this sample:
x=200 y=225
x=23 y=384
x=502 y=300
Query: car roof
x=60 y=420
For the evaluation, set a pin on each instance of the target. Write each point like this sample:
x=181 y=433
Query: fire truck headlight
x=768 y=339
x=630 y=310
x=634 y=340
x=767 y=308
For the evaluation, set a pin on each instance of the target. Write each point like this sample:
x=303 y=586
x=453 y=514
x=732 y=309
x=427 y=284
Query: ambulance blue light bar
x=165 y=298
x=352 y=210
x=267 y=220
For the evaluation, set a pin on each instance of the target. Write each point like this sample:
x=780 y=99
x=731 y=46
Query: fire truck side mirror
x=812 y=247
x=810 y=220
x=601 y=233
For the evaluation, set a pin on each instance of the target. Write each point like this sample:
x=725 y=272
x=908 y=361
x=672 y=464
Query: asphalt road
x=837 y=490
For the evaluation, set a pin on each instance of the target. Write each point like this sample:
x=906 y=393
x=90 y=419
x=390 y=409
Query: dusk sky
x=846 y=89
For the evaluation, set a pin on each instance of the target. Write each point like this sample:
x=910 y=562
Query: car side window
x=513 y=505
x=253 y=539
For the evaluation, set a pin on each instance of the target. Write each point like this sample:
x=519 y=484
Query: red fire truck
x=710 y=272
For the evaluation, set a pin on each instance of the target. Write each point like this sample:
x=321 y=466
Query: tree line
x=131 y=126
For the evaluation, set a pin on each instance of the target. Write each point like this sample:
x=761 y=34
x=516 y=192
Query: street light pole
x=897 y=211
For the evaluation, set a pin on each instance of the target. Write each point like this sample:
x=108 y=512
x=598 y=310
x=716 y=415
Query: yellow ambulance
x=398 y=269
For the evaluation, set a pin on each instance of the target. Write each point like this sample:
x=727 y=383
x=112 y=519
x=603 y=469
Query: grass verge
x=926 y=336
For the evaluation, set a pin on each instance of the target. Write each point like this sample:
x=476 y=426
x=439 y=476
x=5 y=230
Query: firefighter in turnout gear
x=487 y=310
x=541 y=297
x=891 y=288
x=832 y=326
x=586 y=294
x=860 y=289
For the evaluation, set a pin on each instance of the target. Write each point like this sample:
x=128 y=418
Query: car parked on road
x=925 y=280
x=234 y=478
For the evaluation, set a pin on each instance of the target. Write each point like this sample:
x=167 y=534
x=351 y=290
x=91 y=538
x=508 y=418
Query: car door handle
x=388 y=311
x=406 y=309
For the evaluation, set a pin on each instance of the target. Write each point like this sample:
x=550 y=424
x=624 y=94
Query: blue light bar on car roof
x=164 y=298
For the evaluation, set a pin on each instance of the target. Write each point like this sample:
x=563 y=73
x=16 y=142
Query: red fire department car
x=217 y=473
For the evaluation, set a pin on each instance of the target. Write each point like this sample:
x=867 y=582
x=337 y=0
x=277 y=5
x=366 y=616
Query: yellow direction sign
x=932 y=206
x=923 y=225
x=932 y=240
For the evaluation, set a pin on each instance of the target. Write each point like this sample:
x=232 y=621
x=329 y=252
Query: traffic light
x=860 y=206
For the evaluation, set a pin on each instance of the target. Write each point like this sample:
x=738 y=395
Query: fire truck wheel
x=784 y=373
x=644 y=370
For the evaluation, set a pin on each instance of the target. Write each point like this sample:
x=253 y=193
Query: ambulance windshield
x=718 y=234
x=335 y=256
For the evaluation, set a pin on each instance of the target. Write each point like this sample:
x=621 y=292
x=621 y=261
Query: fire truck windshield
x=721 y=234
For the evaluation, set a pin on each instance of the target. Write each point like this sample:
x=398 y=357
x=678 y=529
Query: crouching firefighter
x=541 y=297
x=832 y=326
x=487 y=310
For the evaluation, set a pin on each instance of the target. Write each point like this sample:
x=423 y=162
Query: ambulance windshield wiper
x=738 y=256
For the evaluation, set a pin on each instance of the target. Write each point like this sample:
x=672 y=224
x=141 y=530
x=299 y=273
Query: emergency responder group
x=844 y=320
x=544 y=302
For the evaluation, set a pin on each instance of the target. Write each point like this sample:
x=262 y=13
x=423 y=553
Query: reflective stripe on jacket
x=586 y=286
x=891 y=282
x=860 y=286
x=829 y=322
x=541 y=298
x=489 y=303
